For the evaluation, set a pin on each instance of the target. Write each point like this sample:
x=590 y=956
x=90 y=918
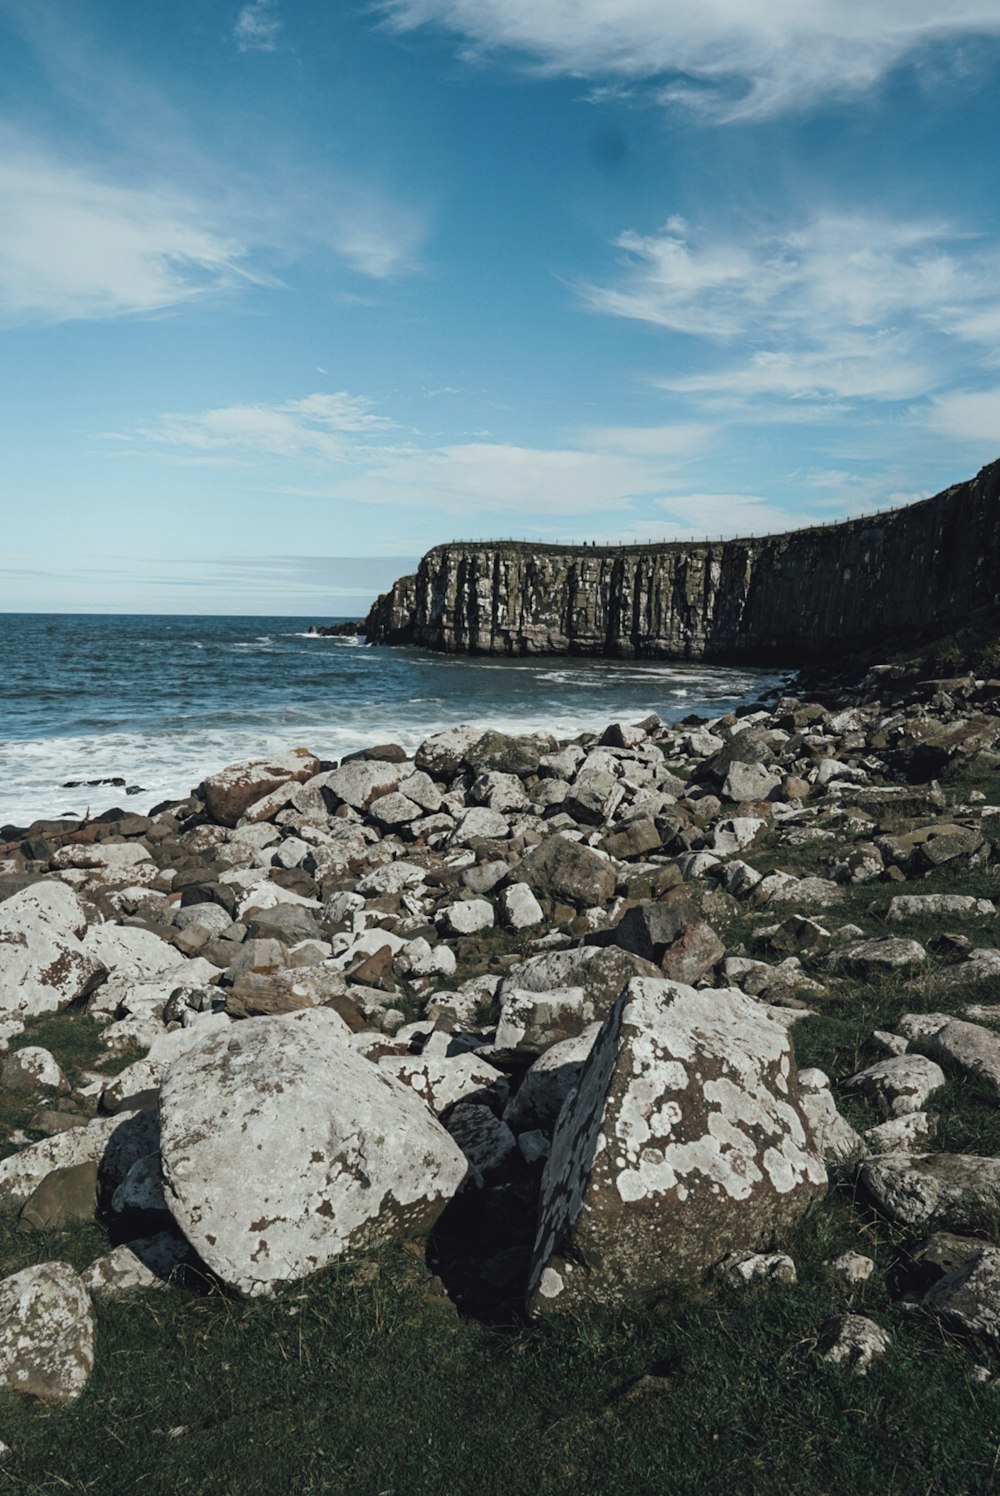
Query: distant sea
x=161 y=701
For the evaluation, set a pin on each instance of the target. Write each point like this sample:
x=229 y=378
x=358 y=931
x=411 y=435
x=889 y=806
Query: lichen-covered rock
x=565 y=870
x=441 y=1080
x=23 y=1171
x=898 y=1085
x=46 y=1333
x=233 y=790
x=969 y=1047
x=61 y=1199
x=968 y=1298
x=544 y=1089
x=853 y=1341
x=31 y=1069
x=684 y=1141
x=865 y=959
x=44 y=965
x=935 y=1191
x=282 y=1148
x=147 y=1262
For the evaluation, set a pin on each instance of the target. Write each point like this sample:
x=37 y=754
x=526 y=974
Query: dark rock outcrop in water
x=806 y=595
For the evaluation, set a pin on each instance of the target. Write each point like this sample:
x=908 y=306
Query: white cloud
x=708 y=516
x=967 y=416
x=73 y=246
x=730 y=58
x=845 y=307
x=257 y=27
x=315 y=427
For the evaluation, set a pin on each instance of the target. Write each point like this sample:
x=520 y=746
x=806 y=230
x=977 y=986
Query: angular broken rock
x=282 y=1148
x=968 y=1298
x=44 y=965
x=935 y=1191
x=868 y=958
x=969 y=1047
x=685 y=1140
x=564 y=870
x=46 y=1333
x=545 y=1087
x=899 y=1084
x=234 y=789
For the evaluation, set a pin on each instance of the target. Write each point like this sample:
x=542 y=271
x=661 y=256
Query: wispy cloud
x=730 y=59
x=76 y=246
x=968 y=416
x=845 y=307
x=315 y=427
x=257 y=27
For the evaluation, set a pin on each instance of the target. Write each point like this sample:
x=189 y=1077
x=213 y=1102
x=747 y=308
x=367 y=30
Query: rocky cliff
x=807 y=594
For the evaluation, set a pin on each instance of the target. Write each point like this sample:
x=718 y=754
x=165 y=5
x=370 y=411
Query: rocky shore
x=542 y=1007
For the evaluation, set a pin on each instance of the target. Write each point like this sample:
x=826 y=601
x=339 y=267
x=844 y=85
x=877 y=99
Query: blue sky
x=291 y=290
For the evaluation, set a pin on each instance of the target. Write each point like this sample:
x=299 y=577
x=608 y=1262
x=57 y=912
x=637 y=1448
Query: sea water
x=161 y=701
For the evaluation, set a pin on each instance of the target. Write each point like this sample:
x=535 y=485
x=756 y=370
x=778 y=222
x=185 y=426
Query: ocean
x=158 y=702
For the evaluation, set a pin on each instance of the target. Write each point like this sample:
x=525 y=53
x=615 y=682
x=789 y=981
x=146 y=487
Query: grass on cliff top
x=374 y=1387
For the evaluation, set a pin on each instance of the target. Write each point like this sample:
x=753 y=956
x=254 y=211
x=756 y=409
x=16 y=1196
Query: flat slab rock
x=685 y=1140
x=935 y=1191
x=282 y=1148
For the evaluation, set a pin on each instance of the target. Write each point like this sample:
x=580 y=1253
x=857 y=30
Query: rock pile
x=562 y=975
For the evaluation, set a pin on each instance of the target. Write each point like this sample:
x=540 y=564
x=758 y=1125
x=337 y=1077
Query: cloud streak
x=729 y=59
x=257 y=27
x=845 y=307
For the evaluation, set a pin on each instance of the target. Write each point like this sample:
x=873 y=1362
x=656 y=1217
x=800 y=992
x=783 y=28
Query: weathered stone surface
x=147 y=1262
x=740 y=1268
x=853 y=1341
x=969 y=1047
x=899 y=1084
x=749 y=782
x=868 y=958
x=43 y=964
x=486 y=1141
x=968 y=1298
x=693 y=955
x=282 y=1149
x=684 y=1140
x=851 y=1268
x=519 y=909
x=554 y=996
x=23 y=1171
x=234 y=789
x=63 y=1198
x=935 y=1191
x=833 y=1136
x=467 y=916
x=46 y=1333
x=30 y=1069
x=443 y=754
x=937 y=905
x=545 y=1087
x=565 y=870
x=441 y=1080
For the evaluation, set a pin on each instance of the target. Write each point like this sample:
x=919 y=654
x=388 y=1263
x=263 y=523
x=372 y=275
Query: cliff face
x=809 y=594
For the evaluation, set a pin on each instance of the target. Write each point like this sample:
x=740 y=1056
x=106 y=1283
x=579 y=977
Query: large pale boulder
x=234 y=789
x=46 y=1333
x=684 y=1141
x=44 y=965
x=282 y=1148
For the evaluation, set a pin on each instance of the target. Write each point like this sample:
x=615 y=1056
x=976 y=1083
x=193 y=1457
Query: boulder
x=685 y=1140
x=63 y=1198
x=519 y=909
x=31 y=1069
x=865 y=959
x=545 y=1087
x=46 y=1333
x=234 y=789
x=968 y=1047
x=44 y=965
x=935 y=1191
x=282 y=1148
x=899 y=1084
x=968 y=1298
x=567 y=872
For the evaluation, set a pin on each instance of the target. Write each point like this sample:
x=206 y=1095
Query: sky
x=292 y=290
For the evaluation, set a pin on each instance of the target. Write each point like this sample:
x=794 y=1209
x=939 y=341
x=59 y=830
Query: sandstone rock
x=898 y=1085
x=43 y=964
x=565 y=871
x=693 y=955
x=935 y=1191
x=684 y=1141
x=46 y=1333
x=853 y=1341
x=282 y=1149
x=233 y=790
